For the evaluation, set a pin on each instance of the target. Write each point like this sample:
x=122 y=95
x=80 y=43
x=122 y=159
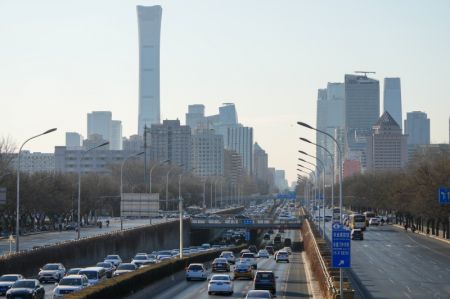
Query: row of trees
x=410 y=194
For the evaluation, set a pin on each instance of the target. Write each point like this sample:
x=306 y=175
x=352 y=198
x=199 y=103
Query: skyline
x=222 y=62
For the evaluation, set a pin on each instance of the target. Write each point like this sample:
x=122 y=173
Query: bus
x=357 y=221
x=368 y=215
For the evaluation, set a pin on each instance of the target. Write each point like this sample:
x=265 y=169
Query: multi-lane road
x=291 y=281
x=392 y=263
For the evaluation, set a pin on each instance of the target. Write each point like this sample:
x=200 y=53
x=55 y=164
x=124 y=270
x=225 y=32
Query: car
x=270 y=231
x=357 y=234
x=26 y=288
x=287 y=242
x=263 y=253
x=259 y=294
x=374 y=221
x=220 y=284
x=282 y=256
x=196 y=271
x=243 y=251
x=70 y=284
x=287 y=249
x=94 y=274
x=125 y=268
x=220 y=264
x=205 y=246
x=73 y=271
x=7 y=280
x=229 y=255
x=270 y=249
x=114 y=259
x=249 y=258
x=143 y=259
x=109 y=268
x=253 y=249
x=265 y=280
x=52 y=272
x=243 y=270
x=266 y=236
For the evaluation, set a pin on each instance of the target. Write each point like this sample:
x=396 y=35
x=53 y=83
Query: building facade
x=74 y=140
x=116 y=135
x=387 y=146
x=261 y=163
x=171 y=141
x=207 y=154
x=240 y=140
x=392 y=99
x=35 y=162
x=417 y=127
x=149 y=27
x=195 y=118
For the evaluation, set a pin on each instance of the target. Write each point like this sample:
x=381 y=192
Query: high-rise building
x=99 y=122
x=261 y=163
x=417 y=127
x=393 y=99
x=280 y=180
x=362 y=110
x=386 y=148
x=171 y=141
x=133 y=144
x=149 y=24
x=228 y=114
x=195 y=118
x=74 y=140
x=35 y=162
x=207 y=154
x=116 y=135
x=240 y=139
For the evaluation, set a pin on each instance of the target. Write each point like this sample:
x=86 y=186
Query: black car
x=287 y=242
x=26 y=289
x=253 y=249
x=6 y=282
x=220 y=265
x=357 y=234
x=266 y=237
x=270 y=250
x=265 y=280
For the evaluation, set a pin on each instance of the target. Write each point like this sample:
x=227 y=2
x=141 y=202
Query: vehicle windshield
x=24 y=284
x=90 y=274
x=220 y=277
x=248 y=255
x=50 y=267
x=258 y=294
x=126 y=267
x=265 y=276
x=140 y=257
x=9 y=278
x=242 y=266
x=73 y=271
x=70 y=282
x=112 y=257
x=104 y=265
x=221 y=260
x=195 y=267
x=359 y=218
x=165 y=253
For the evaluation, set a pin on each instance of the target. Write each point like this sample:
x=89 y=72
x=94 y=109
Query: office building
x=135 y=143
x=387 y=146
x=171 y=141
x=261 y=163
x=99 y=122
x=240 y=140
x=116 y=135
x=149 y=27
x=392 y=99
x=195 y=118
x=207 y=154
x=35 y=162
x=417 y=127
x=280 y=180
x=74 y=140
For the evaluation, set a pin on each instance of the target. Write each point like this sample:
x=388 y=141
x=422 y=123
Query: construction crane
x=364 y=72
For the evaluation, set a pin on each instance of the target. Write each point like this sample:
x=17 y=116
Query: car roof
x=196 y=264
x=17 y=275
x=92 y=269
x=74 y=276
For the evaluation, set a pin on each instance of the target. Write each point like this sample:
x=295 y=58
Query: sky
x=60 y=60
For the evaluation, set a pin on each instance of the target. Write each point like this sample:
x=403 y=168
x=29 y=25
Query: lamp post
x=323 y=190
x=167 y=184
x=180 y=207
x=18 y=186
x=340 y=189
x=151 y=170
x=315 y=183
x=204 y=195
x=121 y=185
x=82 y=153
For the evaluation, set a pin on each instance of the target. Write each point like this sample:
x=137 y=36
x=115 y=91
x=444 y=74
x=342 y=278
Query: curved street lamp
x=18 y=186
x=180 y=207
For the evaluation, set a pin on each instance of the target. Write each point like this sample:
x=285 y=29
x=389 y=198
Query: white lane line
x=407 y=295
x=286 y=280
x=391 y=281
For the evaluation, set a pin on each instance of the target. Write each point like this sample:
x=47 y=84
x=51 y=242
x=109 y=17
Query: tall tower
x=149 y=23
x=393 y=99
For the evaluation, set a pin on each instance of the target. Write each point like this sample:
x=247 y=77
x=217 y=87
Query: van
x=94 y=274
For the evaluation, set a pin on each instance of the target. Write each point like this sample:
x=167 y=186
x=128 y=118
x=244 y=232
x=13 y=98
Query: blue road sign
x=247 y=236
x=444 y=195
x=341 y=246
x=248 y=221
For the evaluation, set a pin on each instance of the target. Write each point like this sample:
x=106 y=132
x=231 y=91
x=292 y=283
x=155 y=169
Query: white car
x=229 y=256
x=70 y=284
x=52 y=272
x=262 y=253
x=142 y=259
x=249 y=258
x=113 y=259
x=7 y=280
x=196 y=271
x=220 y=284
x=125 y=268
x=282 y=256
x=374 y=221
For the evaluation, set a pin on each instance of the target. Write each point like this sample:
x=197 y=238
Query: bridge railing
x=244 y=221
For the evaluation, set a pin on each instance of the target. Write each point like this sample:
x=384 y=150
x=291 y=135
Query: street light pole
x=121 y=185
x=18 y=186
x=180 y=207
x=167 y=184
x=150 y=192
x=82 y=153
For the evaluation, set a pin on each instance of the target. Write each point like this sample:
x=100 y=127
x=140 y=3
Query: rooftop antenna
x=364 y=72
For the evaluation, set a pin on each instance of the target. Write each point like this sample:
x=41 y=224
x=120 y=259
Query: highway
x=291 y=282
x=392 y=263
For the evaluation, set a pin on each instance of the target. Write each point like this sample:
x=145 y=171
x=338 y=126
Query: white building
x=99 y=122
x=393 y=99
x=149 y=23
x=207 y=154
x=195 y=118
x=74 y=140
x=240 y=140
x=35 y=162
x=116 y=135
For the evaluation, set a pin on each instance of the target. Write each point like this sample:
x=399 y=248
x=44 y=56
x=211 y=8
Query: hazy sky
x=60 y=60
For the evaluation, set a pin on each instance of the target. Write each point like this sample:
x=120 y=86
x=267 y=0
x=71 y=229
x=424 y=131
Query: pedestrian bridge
x=255 y=223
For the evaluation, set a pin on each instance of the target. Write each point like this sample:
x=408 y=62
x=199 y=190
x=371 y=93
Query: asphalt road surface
x=392 y=263
x=291 y=282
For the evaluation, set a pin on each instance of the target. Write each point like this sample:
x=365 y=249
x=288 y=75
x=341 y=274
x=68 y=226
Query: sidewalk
x=423 y=234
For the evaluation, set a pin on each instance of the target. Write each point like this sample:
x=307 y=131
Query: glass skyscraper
x=393 y=99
